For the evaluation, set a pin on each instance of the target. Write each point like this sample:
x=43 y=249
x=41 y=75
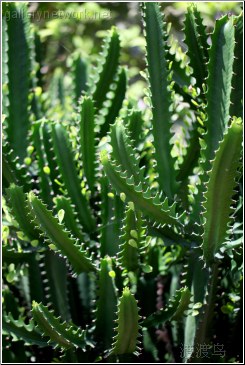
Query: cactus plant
x=114 y=244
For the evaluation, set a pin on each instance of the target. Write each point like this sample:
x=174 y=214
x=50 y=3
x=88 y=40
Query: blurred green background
x=67 y=27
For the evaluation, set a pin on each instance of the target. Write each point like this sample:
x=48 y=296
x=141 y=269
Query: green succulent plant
x=116 y=229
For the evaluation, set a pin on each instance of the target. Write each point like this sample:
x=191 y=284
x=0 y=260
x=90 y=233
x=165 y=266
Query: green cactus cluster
x=122 y=242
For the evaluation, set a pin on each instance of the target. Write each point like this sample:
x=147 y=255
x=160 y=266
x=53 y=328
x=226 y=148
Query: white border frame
x=102 y=1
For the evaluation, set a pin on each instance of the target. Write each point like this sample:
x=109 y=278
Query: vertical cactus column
x=18 y=66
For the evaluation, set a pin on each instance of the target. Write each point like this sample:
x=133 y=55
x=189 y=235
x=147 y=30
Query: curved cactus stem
x=128 y=325
x=68 y=246
x=18 y=330
x=64 y=335
x=219 y=86
x=152 y=207
x=174 y=311
x=220 y=189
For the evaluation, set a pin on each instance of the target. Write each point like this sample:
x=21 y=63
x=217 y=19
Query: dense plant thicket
x=122 y=226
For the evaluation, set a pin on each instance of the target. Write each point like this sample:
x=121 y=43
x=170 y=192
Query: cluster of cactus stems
x=99 y=210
